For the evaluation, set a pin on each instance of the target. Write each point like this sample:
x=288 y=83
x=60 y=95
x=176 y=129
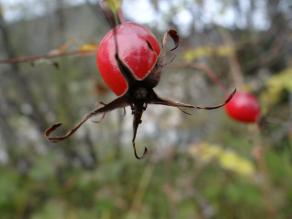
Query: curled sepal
x=136 y=122
x=49 y=130
x=220 y=105
x=173 y=35
x=120 y=102
x=69 y=133
x=135 y=151
x=167 y=56
x=158 y=100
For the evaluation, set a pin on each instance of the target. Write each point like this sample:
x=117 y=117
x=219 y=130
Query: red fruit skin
x=138 y=49
x=243 y=107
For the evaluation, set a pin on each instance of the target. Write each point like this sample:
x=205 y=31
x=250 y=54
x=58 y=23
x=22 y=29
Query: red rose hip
x=138 y=49
x=243 y=107
x=130 y=62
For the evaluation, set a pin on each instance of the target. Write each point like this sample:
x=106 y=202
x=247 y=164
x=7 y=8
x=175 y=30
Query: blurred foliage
x=177 y=185
x=225 y=158
x=88 y=47
x=275 y=85
x=207 y=51
x=114 y=5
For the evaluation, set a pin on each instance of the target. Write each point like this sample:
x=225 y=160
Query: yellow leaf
x=276 y=83
x=205 y=151
x=207 y=51
x=63 y=48
x=225 y=51
x=114 y=5
x=89 y=47
x=198 y=53
x=227 y=159
x=233 y=162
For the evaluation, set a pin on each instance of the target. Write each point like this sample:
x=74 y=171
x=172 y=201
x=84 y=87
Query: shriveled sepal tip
x=174 y=36
x=51 y=129
x=136 y=154
x=218 y=106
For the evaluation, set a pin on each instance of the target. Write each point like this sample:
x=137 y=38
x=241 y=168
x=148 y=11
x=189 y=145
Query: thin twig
x=205 y=69
x=32 y=59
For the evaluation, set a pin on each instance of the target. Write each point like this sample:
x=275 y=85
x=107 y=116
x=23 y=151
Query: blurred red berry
x=243 y=107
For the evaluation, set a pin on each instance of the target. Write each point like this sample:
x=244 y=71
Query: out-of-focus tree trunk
x=7 y=133
x=119 y=134
x=67 y=104
x=21 y=83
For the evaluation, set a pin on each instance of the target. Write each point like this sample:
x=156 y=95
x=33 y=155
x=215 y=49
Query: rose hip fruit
x=138 y=48
x=243 y=107
x=130 y=60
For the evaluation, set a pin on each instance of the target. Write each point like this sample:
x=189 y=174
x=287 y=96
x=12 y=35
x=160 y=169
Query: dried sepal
x=166 y=102
x=136 y=122
x=120 y=102
x=174 y=36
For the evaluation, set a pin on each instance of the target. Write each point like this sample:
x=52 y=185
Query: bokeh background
x=201 y=166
